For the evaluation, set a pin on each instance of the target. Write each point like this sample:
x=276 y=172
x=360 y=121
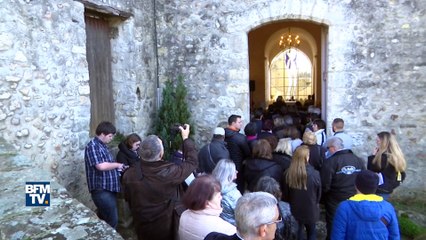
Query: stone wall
x=375 y=75
x=377 y=78
x=65 y=218
x=44 y=81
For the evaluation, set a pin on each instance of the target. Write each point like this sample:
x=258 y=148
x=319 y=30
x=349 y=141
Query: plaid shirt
x=97 y=152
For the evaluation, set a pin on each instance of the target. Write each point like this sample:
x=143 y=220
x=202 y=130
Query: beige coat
x=195 y=225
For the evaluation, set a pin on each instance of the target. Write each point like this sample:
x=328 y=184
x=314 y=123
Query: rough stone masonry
x=65 y=218
x=375 y=72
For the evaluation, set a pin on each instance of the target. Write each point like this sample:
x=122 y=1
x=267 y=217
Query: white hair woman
x=226 y=173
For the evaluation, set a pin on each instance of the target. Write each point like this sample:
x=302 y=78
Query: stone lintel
x=107 y=10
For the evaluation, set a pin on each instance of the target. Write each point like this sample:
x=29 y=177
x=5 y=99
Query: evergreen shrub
x=173 y=110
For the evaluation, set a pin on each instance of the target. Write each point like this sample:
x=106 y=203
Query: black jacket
x=129 y=158
x=316 y=155
x=207 y=160
x=126 y=156
x=237 y=146
x=304 y=204
x=256 y=168
x=338 y=175
x=283 y=159
x=390 y=176
x=221 y=236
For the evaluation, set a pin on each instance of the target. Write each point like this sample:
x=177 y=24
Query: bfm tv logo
x=37 y=194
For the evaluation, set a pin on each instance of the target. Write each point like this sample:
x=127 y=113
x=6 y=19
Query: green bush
x=118 y=138
x=409 y=228
x=174 y=109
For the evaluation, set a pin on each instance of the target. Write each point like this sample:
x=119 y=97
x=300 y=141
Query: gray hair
x=224 y=172
x=253 y=210
x=151 y=149
x=269 y=185
x=335 y=142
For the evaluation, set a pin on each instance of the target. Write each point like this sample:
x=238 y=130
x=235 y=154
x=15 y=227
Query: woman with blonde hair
x=301 y=185
x=316 y=152
x=226 y=173
x=389 y=162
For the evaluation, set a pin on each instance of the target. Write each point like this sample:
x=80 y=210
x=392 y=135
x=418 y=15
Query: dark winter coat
x=221 y=236
x=316 y=155
x=264 y=135
x=390 y=176
x=153 y=195
x=127 y=156
x=283 y=159
x=287 y=229
x=338 y=175
x=304 y=204
x=237 y=146
x=208 y=159
x=256 y=168
x=238 y=151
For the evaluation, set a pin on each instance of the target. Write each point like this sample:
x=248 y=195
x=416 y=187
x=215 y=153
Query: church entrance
x=288 y=63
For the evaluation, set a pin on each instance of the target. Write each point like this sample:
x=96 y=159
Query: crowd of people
x=268 y=183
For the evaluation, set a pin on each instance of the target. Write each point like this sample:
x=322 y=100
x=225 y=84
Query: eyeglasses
x=280 y=219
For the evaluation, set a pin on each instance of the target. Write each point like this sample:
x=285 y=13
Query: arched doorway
x=266 y=57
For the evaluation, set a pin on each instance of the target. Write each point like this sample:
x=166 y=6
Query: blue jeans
x=106 y=202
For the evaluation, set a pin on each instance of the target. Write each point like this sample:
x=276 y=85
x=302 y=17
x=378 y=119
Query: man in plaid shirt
x=102 y=172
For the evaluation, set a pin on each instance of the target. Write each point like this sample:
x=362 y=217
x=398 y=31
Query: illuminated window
x=291 y=76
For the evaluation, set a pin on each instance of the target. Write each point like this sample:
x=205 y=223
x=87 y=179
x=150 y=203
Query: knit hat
x=219 y=131
x=366 y=182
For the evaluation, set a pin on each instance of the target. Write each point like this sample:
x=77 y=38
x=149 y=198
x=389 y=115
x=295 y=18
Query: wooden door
x=98 y=48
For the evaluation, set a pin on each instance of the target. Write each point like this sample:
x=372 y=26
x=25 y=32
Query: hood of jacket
x=123 y=148
x=260 y=164
x=341 y=152
x=229 y=132
x=367 y=207
x=228 y=187
x=218 y=142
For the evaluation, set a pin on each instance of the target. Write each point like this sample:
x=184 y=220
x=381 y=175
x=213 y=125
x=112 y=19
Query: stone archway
x=263 y=47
